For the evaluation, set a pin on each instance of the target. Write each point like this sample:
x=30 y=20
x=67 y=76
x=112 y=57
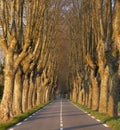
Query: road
x=60 y=115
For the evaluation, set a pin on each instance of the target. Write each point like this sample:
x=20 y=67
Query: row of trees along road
x=94 y=62
x=30 y=71
x=30 y=31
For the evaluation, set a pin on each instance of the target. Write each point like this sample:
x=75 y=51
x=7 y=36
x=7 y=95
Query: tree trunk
x=113 y=96
x=34 y=96
x=95 y=94
x=75 y=92
x=25 y=94
x=80 y=96
x=90 y=97
x=17 y=99
x=87 y=96
x=38 y=81
x=41 y=94
x=46 y=94
x=7 y=100
x=115 y=71
x=30 y=92
x=50 y=93
x=104 y=91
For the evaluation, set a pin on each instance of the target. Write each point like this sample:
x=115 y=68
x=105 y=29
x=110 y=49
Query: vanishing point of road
x=60 y=115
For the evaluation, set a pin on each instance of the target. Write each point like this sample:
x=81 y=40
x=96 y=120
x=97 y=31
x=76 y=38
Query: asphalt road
x=60 y=115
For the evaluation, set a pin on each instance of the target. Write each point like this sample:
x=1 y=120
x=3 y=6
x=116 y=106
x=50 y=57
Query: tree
x=14 y=50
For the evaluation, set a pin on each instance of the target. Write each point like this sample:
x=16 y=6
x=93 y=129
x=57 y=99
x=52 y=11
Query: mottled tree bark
x=30 y=92
x=7 y=100
x=17 y=98
x=95 y=94
x=25 y=93
x=103 y=105
x=38 y=83
x=113 y=95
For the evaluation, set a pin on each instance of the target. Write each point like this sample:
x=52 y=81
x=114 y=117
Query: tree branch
x=3 y=45
x=90 y=61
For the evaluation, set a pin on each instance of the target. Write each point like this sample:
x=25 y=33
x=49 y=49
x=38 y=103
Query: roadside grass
x=119 y=107
x=113 y=123
x=21 y=117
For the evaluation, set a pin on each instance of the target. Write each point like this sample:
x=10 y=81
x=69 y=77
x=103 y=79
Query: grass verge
x=21 y=117
x=119 y=107
x=113 y=123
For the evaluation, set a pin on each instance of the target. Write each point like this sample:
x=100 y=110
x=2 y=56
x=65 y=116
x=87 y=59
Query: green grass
x=113 y=123
x=20 y=118
x=119 y=107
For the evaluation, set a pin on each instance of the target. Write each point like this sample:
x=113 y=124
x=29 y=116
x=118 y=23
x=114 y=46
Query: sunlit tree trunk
x=95 y=94
x=17 y=98
x=90 y=97
x=34 y=96
x=30 y=92
x=103 y=105
x=7 y=100
x=38 y=84
x=25 y=93
x=11 y=46
x=115 y=77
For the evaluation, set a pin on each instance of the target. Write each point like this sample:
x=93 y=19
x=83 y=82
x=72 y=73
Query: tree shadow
x=82 y=126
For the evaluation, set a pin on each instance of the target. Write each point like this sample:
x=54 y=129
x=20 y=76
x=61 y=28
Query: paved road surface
x=60 y=115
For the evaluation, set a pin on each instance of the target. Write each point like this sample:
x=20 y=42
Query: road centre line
x=61 y=119
x=61 y=125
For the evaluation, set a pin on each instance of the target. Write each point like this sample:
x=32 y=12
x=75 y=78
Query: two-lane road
x=60 y=115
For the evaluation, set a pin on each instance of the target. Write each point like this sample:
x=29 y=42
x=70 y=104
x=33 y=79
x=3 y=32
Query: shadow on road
x=82 y=126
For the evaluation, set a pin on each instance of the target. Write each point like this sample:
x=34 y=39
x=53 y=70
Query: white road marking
x=19 y=124
x=77 y=107
x=98 y=120
x=61 y=125
x=61 y=119
x=34 y=114
x=93 y=117
x=25 y=119
x=105 y=125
